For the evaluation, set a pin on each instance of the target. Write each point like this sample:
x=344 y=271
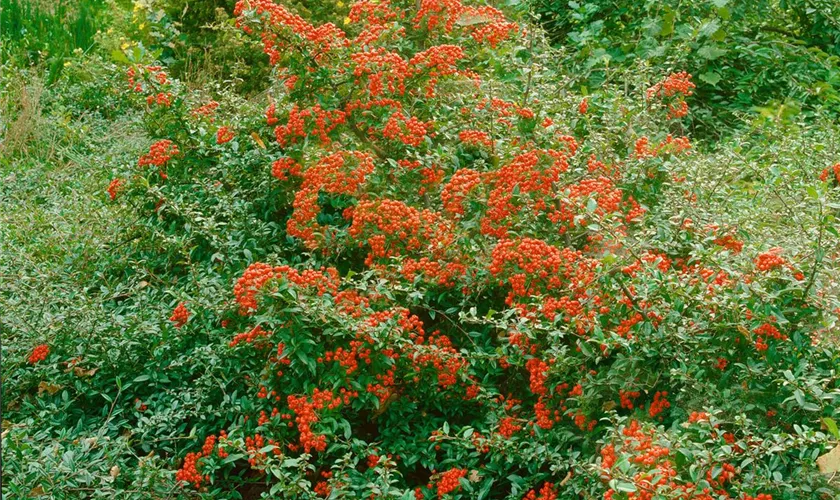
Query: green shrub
x=743 y=55
x=479 y=285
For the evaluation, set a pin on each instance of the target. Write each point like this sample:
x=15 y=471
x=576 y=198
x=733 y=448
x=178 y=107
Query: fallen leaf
x=830 y=462
x=45 y=386
x=258 y=140
x=566 y=479
x=384 y=405
x=115 y=471
x=81 y=372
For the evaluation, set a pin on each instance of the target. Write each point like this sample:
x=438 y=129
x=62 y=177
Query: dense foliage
x=777 y=55
x=417 y=265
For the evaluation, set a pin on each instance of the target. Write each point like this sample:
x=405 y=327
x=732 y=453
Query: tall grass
x=46 y=31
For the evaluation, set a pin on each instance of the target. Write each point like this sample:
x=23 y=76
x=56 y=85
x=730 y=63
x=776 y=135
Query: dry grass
x=22 y=106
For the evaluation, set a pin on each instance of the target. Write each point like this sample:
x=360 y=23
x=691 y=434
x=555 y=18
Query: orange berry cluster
x=39 y=353
x=456 y=190
x=224 y=134
x=449 y=481
x=189 y=470
x=770 y=260
x=547 y=492
x=342 y=172
x=180 y=315
x=764 y=332
x=475 y=138
x=410 y=131
x=537 y=369
x=304 y=409
x=659 y=403
x=833 y=171
x=249 y=337
x=159 y=153
x=258 y=274
x=283 y=168
x=114 y=187
x=446 y=13
x=508 y=426
x=698 y=416
x=730 y=243
x=313 y=121
x=675 y=83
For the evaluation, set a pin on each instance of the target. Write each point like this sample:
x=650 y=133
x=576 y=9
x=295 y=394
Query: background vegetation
x=124 y=395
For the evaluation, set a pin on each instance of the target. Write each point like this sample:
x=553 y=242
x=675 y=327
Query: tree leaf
x=710 y=52
x=710 y=77
x=668 y=24
x=831 y=425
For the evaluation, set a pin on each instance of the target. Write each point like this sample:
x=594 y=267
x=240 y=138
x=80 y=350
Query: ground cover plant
x=407 y=258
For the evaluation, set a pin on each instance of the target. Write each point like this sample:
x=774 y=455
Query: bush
x=746 y=55
x=419 y=266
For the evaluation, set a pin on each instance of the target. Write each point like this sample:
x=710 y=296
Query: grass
x=55 y=221
x=46 y=32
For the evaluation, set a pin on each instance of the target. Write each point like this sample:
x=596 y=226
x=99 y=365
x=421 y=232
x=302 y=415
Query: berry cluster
x=39 y=353
x=224 y=134
x=767 y=261
x=764 y=332
x=159 y=154
x=114 y=187
x=180 y=315
x=449 y=481
x=833 y=172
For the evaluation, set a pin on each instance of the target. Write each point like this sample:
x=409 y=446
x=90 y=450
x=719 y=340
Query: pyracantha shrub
x=488 y=300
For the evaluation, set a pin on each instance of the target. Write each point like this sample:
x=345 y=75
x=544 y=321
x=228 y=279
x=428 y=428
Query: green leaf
x=485 y=490
x=831 y=425
x=233 y=458
x=623 y=486
x=709 y=28
x=585 y=349
x=710 y=52
x=710 y=77
x=668 y=23
x=810 y=407
x=119 y=57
